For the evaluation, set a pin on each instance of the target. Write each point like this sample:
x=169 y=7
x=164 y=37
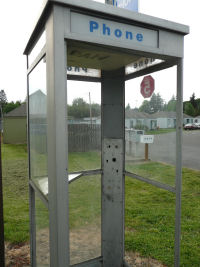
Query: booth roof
x=109 y=10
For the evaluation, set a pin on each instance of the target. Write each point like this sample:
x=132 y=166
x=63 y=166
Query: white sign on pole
x=147 y=139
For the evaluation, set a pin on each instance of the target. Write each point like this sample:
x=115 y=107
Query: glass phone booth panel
x=84 y=157
x=37 y=125
x=152 y=120
x=77 y=194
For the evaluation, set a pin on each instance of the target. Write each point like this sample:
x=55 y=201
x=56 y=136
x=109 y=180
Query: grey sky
x=18 y=17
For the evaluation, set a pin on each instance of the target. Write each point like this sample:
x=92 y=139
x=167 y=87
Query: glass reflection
x=141 y=64
x=84 y=125
x=87 y=72
x=37 y=48
x=42 y=234
x=149 y=224
x=38 y=123
x=85 y=218
x=150 y=129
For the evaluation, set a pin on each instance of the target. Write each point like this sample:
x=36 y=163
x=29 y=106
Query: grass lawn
x=160 y=131
x=149 y=211
x=149 y=219
x=15 y=193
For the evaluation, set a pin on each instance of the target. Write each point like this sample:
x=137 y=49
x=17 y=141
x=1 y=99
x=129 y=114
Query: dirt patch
x=135 y=260
x=84 y=245
x=17 y=255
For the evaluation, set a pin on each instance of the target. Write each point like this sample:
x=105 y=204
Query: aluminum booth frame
x=98 y=36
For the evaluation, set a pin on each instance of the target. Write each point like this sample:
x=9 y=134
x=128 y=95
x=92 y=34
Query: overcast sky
x=18 y=17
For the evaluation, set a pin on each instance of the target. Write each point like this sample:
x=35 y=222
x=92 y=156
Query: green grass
x=84 y=194
x=163 y=173
x=15 y=193
x=149 y=211
x=85 y=201
x=160 y=131
x=84 y=161
x=149 y=216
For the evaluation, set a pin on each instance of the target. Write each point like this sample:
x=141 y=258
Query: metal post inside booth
x=91 y=35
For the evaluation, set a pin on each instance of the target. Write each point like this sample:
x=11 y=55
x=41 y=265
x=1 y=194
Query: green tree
x=159 y=102
x=96 y=110
x=193 y=101
x=10 y=106
x=145 y=107
x=128 y=107
x=3 y=97
x=198 y=107
x=3 y=100
x=189 y=109
x=81 y=109
x=156 y=103
x=171 y=105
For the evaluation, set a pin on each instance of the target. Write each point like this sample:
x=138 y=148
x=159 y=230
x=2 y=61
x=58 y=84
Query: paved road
x=191 y=149
x=164 y=149
x=165 y=146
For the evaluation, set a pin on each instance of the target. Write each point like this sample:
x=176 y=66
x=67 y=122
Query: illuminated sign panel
x=111 y=30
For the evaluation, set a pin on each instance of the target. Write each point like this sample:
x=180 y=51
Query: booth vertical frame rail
x=57 y=143
x=31 y=190
x=179 y=141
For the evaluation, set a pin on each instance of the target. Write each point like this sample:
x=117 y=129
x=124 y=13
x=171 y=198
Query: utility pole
x=2 y=248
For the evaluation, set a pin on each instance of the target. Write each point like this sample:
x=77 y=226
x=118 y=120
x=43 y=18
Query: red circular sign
x=147 y=86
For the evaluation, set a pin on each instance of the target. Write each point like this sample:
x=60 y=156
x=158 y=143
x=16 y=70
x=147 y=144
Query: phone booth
x=102 y=42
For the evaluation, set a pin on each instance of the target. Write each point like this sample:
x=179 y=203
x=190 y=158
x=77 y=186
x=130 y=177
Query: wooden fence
x=84 y=137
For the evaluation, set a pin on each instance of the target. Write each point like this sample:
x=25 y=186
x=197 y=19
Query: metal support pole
x=146 y=152
x=179 y=129
x=113 y=85
x=2 y=248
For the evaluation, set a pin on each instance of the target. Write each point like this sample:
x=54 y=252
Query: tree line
x=6 y=106
x=81 y=109
x=157 y=103
x=192 y=107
